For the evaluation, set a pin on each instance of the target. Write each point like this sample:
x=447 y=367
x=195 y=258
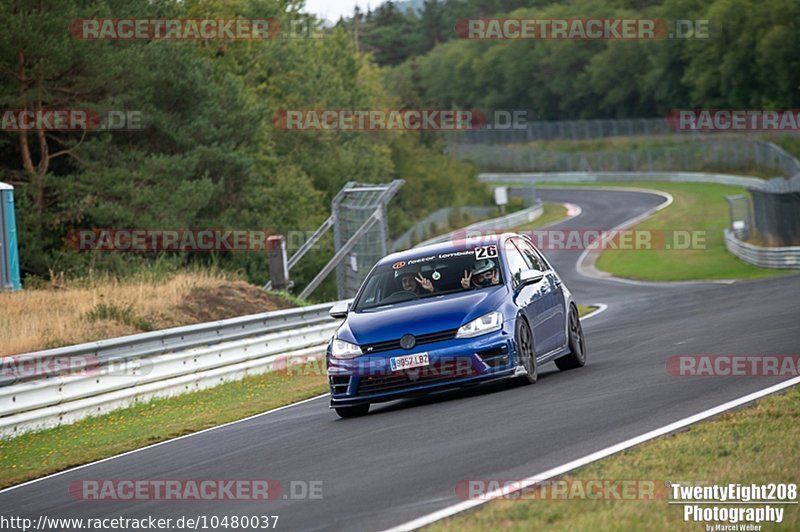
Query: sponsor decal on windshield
x=444 y=256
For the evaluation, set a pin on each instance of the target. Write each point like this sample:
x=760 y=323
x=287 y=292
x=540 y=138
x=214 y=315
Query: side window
x=533 y=259
x=516 y=262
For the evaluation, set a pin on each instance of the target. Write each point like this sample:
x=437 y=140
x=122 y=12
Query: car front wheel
x=526 y=352
x=577 y=345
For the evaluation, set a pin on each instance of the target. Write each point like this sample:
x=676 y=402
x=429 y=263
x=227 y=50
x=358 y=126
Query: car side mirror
x=530 y=276
x=340 y=309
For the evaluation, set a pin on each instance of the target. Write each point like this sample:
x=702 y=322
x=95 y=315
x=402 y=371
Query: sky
x=333 y=9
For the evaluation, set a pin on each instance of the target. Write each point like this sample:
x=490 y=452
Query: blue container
x=9 y=254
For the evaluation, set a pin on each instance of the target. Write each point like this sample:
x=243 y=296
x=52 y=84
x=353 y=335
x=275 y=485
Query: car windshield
x=439 y=273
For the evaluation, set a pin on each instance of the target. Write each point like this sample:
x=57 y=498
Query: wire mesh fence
x=771 y=215
x=776 y=212
x=567 y=129
x=359 y=214
x=690 y=156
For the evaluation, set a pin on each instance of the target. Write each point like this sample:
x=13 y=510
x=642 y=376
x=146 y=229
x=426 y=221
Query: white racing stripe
x=603 y=453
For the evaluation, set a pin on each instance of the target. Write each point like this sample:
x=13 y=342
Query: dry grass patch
x=67 y=314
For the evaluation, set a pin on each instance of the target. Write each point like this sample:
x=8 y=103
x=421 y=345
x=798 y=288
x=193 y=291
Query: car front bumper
x=452 y=364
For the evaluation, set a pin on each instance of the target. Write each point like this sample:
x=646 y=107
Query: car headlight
x=487 y=323
x=342 y=349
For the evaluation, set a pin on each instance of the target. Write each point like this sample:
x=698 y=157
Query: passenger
x=416 y=283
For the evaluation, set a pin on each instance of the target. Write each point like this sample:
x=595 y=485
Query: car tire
x=352 y=411
x=577 y=344
x=526 y=351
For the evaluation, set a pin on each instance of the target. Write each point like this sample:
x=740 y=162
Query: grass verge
x=40 y=453
x=697 y=207
x=758 y=445
x=551 y=213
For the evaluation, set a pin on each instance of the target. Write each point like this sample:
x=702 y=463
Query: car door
x=553 y=307
x=531 y=298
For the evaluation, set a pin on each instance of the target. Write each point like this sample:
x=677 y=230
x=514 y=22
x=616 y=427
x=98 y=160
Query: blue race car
x=451 y=315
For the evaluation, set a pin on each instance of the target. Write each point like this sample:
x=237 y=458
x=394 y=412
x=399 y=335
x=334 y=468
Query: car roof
x=459 y=244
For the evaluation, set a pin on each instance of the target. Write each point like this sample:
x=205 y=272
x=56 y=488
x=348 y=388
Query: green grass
x=551 y=213
x=759 y=445
x=697 y=207
x=36 y=454
x=124 y=314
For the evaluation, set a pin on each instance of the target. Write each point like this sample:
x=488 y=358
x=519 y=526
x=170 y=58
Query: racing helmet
x=483 y=266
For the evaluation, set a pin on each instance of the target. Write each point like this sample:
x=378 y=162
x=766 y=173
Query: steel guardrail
x=117 y=350
x=134 y=368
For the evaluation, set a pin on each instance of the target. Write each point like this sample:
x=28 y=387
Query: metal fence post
x=278 y=265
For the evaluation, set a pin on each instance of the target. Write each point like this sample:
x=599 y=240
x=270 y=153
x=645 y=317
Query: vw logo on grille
x=408 y=341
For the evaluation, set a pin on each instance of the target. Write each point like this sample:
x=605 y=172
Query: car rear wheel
x=352 y=411
x=526 y=352
x=577 y=345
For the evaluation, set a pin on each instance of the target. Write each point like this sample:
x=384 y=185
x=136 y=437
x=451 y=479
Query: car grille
x=401 y=380
x=389 y=345
x=495 y=357
x=339 y=384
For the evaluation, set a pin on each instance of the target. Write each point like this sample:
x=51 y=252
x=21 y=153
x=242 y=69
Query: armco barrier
x=161 y=363
x=778 y=257
x=117 y=350
x=514 y=219
x=577 y=177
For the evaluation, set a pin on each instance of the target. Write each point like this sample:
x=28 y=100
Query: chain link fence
x=776 y=212
x=690 y=156
x=567 y=129
x=359 y=213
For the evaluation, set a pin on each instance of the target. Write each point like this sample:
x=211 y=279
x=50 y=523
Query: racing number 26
x=485 y=252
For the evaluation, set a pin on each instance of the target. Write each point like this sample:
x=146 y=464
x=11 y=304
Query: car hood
x=427 y=315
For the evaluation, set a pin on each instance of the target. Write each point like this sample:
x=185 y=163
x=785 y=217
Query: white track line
x=589 y=270
x=126 y=453
x=603 y=453
x=601 y=307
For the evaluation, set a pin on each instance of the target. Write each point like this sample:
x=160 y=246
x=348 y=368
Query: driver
x=416 y=283
x=484 y=273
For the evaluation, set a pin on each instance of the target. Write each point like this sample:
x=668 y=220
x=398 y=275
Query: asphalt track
x=404 y=459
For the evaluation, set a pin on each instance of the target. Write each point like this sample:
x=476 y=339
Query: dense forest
x=211 y=156
x=750 y=59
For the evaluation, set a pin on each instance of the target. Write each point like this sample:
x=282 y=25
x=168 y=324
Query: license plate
x=409 y=361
